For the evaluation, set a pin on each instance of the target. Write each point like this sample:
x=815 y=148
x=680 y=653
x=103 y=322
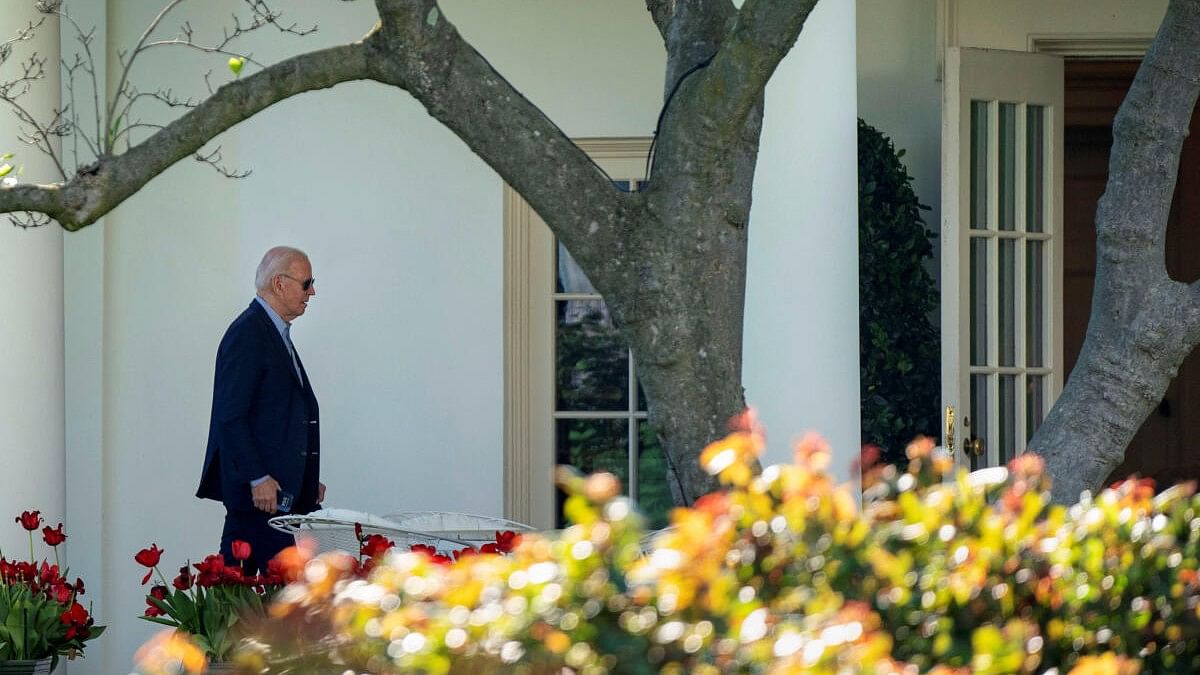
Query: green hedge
x=899 y=349
x=782 y=572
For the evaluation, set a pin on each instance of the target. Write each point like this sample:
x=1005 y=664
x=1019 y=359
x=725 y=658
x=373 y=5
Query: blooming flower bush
x=782 y=571
x=209 y=603
x=40 y=613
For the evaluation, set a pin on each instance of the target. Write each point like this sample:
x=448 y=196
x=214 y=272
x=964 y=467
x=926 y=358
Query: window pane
x=1008 y=417
x=979 y=421
x=592 y=446
x=1035 y=401
x=570 y=277
x=1035 y=168
x=1035 y=308
x=1008 y=302
x=592 y=362
x=979 y=303
x=653 y=492
x=979 y=165
x=1008 y=166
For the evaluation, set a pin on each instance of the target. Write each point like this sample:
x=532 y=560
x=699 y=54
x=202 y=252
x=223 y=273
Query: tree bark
x=1143 y=324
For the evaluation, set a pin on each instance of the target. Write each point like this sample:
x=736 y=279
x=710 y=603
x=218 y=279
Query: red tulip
x=507 y=540
x=78 y=586
x=275 y=572
x=149 y=557
x=431 y=553
x=75 y=616
x=233 y=575
x=53 y=536
x=62 y=593
x=153 y=610
x=241 y=549
x=375 y=545
x=210 y=571
x=158 y=592
x=358 y=531
x=184 y=580
x=30 y=520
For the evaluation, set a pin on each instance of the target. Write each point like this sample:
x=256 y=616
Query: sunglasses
x=304 y=284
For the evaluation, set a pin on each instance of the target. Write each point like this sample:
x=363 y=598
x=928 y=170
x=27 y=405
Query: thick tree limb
x=1143 y=324
x=692 y=30
x=762 y=34
x=419 y=50
x=99 y=188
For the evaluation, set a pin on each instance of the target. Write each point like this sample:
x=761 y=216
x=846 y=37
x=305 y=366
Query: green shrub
x=781 y=572
x=899 y=350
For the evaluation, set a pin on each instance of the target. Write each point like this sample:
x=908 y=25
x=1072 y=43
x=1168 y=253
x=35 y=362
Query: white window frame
x=529 y=456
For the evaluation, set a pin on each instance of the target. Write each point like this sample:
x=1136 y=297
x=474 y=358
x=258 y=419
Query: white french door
x=1001 y=254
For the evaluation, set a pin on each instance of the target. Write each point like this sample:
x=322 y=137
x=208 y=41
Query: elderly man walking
x=264 y=446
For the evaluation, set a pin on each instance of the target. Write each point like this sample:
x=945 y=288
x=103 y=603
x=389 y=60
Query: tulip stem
x=30 y=545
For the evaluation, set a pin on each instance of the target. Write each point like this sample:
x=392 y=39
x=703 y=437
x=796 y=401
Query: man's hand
x=265 y=494
x=320 y=492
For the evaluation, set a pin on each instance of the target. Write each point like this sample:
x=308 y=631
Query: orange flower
x=731 y=457
x=170 y=651
x=1106 y=664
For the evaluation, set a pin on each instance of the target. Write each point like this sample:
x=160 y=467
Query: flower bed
x=211 y=603
x=40 y=613
x=782 y=571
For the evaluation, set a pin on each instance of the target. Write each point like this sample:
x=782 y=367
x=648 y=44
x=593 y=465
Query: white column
x=800 y=351
x=31 y=310
x=87 y=482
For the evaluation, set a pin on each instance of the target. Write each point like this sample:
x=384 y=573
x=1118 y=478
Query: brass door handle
x=974 y=446
x=949 y=429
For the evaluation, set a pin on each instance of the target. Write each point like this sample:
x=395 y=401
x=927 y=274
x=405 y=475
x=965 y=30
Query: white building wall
x=31 y=319
x=800 y=354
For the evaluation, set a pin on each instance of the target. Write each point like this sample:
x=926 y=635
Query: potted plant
x=210 y=603
x=41 y=618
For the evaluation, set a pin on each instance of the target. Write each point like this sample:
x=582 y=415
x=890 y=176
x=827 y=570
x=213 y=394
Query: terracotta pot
x=26 y=667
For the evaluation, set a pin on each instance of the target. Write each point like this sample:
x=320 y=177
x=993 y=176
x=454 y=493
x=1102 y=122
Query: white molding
x=1091 y=45
x=946 y=33
x=528 y=345
x=517 y=448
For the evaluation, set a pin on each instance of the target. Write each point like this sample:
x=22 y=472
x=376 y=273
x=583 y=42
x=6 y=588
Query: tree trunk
x=1143 y=324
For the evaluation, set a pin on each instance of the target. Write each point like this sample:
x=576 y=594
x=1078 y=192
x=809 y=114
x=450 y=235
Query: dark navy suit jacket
x=264 y=419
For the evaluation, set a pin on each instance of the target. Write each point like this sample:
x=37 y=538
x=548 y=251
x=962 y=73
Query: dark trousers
x=252 y=528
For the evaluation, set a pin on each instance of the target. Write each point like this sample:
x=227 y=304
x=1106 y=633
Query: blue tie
x=287 y=338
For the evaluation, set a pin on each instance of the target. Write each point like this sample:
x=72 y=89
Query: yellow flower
x=1106 y=664
x=170 y=653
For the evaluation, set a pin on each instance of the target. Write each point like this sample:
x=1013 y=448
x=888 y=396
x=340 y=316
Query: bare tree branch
x=88 y=64
x=112 y=108
x=28 y=220
x=22 y=35
x=214 y=160
x=420 y=51
x=97 y=189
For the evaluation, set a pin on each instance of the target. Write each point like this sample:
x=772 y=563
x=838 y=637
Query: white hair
x=275 y=262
